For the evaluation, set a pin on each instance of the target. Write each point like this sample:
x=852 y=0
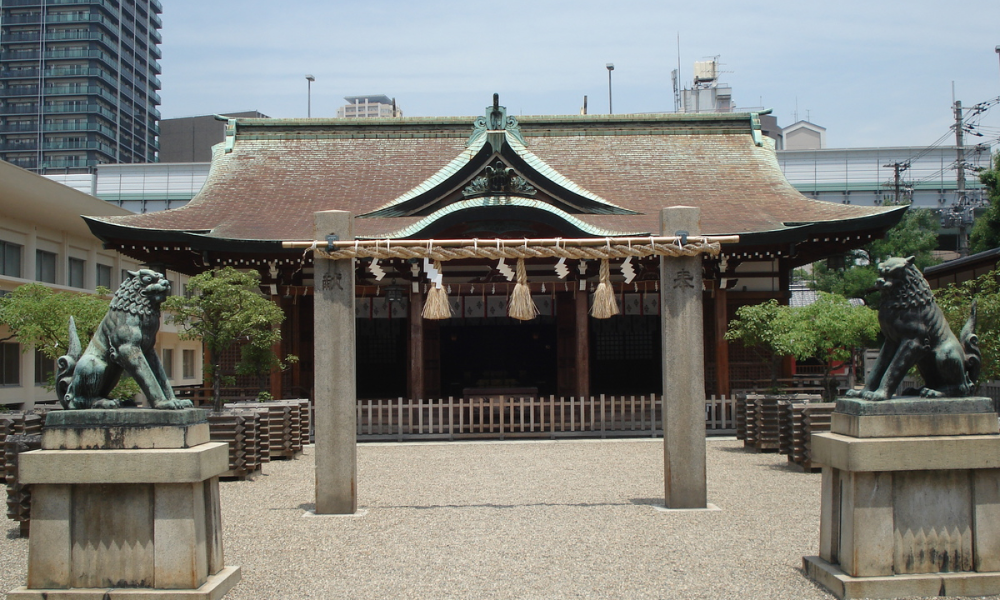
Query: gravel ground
x=563 y=519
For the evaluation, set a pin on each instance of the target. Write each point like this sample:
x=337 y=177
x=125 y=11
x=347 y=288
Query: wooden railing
x=501 y=417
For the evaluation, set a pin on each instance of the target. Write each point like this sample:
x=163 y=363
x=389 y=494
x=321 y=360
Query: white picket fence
x=500 y=417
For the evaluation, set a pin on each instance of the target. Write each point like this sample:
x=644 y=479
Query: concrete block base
x=844 y=586
x=907 y=515
x=215 y=588
x=126 y=507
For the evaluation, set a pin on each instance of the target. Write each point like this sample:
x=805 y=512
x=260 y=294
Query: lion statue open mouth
x=123 y=343
x=916 y=333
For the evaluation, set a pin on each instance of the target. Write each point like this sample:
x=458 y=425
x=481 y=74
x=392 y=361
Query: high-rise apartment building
x=78 y=82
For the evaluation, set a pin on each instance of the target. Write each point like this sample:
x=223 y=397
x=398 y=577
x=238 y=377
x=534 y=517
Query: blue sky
x=874 y=73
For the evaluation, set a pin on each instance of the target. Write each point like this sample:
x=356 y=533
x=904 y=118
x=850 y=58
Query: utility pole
x=960 y=207
x=898 y=168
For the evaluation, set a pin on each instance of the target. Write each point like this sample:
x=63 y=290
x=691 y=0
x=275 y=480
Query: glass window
x=10 y=364
x=45 y=266
x=76 y=267
x=10 y=259
x=45 y=368
x=104 y=276
x=188 y=366
x=168 y=362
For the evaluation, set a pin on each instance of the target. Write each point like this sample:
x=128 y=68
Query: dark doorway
x=498 y=352
x=625 y=355
x=381 y=358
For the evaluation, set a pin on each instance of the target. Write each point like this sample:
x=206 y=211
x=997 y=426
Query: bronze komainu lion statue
x=916 y=333
x=123 y=343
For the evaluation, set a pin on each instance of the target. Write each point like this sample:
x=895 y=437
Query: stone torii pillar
x=683 y=366
x=335 y=373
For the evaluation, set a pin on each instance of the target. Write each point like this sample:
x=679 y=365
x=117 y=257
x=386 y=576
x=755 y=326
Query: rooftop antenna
x=677 y=76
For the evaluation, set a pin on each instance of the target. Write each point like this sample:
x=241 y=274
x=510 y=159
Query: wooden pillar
x=683 y=367
x=415 y=381
x=721 y=345
x=582 y=346
x=335 y=372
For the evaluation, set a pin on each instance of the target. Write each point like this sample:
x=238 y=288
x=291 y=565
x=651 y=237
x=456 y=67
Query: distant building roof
x=371 y=98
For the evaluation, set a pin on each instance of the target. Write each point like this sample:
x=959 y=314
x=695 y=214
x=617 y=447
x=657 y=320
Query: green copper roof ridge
x=542 y=168
x=471 y=203
x=462 y=121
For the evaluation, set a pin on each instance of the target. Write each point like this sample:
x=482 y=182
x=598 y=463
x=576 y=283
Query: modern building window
x=45 y=368
x=10 y=259
x=45 y=266
x=168 y=362
x=104 y=276
x=188 y=366
x=76 y=268
x=10 y=364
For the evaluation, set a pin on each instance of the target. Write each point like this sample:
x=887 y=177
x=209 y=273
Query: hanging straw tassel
x=521 y=306
x=437 y=306
x=605 y=306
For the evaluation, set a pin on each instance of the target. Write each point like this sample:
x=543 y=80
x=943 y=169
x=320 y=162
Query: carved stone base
x=906 y=514
x=846 y=587
x=213 y=589
x=130 y=509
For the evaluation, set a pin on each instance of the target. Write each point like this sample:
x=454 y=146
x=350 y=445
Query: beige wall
x=20 y=224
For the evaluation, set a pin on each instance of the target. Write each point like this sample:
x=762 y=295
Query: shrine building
x=499 y=179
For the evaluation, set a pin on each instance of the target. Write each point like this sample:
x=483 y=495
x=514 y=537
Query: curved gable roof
x=280 y=171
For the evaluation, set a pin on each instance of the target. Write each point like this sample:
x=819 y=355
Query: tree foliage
x=915 y=235
x=955 y=301
x=225 y=307
x=39 y=316
x=986 y=231
x=829 y=329
x=754 y=326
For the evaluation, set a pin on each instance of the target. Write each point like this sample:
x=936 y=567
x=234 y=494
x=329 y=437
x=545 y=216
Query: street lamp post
x=998 y=51
x=611 y=67
x=309 y=95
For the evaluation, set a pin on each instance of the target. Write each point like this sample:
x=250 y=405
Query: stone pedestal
x=125 y=504
x=910 y=499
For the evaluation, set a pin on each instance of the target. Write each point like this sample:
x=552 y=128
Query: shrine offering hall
x=500 y=254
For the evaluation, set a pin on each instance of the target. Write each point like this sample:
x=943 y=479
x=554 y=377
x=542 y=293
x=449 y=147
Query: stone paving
x=540 y=519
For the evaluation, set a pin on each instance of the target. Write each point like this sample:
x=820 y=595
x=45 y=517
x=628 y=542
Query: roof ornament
x=499 y=179
x=496 y=119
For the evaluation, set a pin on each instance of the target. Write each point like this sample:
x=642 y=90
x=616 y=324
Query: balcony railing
x=32 y=19
x=19 y=74
x=19 y=55
x=18 y=127
x=19 y=90
x=81 y=126
x=22 y=37
x=63 y=36
x=19 y=109
x=19 y=147
x=69 y=164
x=86 y=145
x=24 y=163
x=79 y=109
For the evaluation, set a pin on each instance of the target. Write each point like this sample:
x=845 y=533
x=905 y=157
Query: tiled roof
x=280 y=171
